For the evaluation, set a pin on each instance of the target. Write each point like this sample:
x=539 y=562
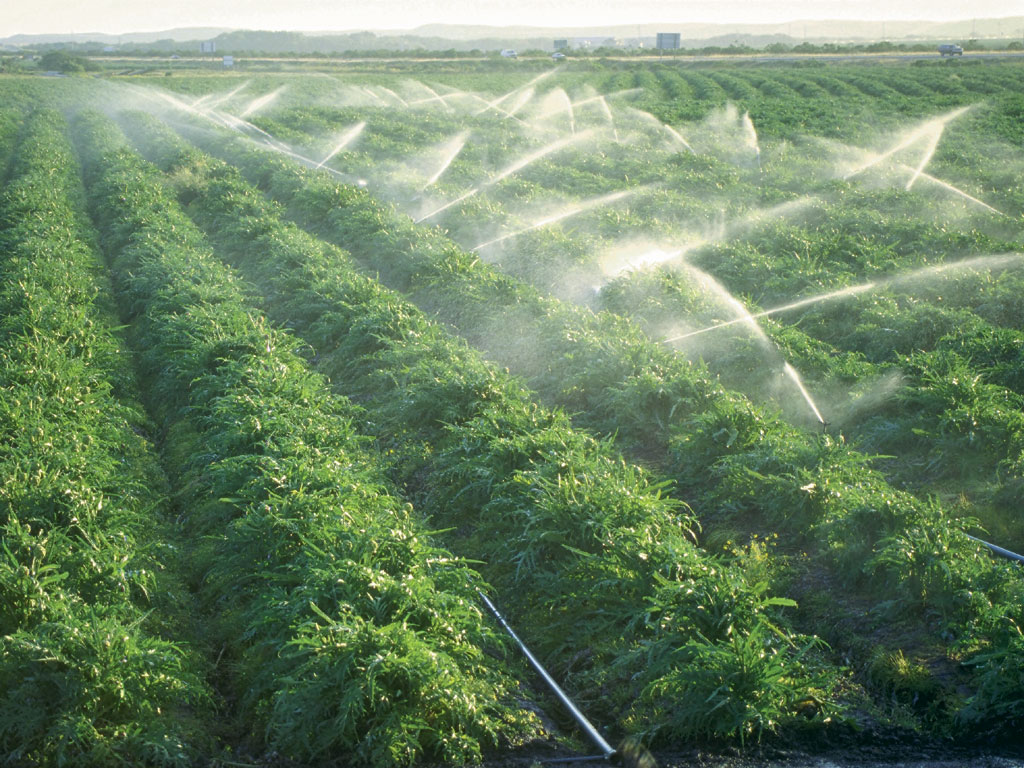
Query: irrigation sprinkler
x=630 y=754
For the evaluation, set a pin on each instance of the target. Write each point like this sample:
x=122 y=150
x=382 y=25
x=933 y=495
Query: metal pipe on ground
x=997 y=549
x=630 y=754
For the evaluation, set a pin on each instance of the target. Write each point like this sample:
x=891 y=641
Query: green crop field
x=710 y=375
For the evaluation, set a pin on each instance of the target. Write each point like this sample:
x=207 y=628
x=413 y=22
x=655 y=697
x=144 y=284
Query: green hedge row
x=347 y=632
x=92 y=669
x=594 y=561
x=726 y=454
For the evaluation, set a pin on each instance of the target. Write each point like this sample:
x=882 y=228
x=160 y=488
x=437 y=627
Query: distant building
x=209 y=46
x=562 y=45
x=229 y=62
x=597 y=41
x=667 y=41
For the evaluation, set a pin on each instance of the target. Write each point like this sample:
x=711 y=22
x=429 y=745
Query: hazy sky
x=116 y=16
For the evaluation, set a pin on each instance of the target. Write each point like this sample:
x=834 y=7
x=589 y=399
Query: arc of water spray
x=567 y=108
x=677 y=136
x=657 y=256
x=370 y=91
x=750 y=135
x=589 y=100
x=608 y=115
x=217 y=101
x=493 y=104
x=574 y=210
x=347 y=138
x=394 y=95
x=451 y=151
x=919 y=173
x=516 y=166
x=933 y=144
x=262 y=101
x=743 y=314
x=435 y=96
x=929 y=127
x=221 y=119
x=795 y=377
x=521 y=101
x=957 y=191
x=777 y=310
x=973 y=263
x=489 y=105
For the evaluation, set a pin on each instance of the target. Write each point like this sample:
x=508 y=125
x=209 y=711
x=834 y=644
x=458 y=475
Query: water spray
x=516 y=166
x=394 y=95
x=750 y=135
x=520 y=101
x=435 y=96
x=842 y=293
x=561 y=215
x=347 y=138
x=926 y=130
x=608 y=115
x=790 y=371
x=932 y=146
x=493 y=104
x=678 y=137
x=973 y=263
x=262 y=101
x=451 y=150
x=218 y=100
x=372 y=94
x=957 y=191
x=630 y=754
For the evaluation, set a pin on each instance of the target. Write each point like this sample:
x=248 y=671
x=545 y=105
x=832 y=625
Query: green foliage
x=923 y=368
x=88 y=673
x=735 y=458
x=574 y=538
x=61 y=61
x=349 y=635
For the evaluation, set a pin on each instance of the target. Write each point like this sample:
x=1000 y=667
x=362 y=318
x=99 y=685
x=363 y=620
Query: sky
x=119 y=16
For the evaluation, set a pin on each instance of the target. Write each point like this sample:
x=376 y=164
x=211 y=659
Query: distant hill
x=821 y=30
x=439 y=37
x=184 y=34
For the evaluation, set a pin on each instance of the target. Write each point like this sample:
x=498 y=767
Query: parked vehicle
x=948 y=49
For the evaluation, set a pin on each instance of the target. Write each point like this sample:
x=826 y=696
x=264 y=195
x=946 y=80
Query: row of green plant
x=933 y=385
x=727 y=454
x=10 y=121
x=345 y=631
x=857 y=237
x=95 y=663
x=593 y=560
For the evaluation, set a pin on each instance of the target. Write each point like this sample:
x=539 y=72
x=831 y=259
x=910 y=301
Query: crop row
x=583 y=549
x=345 y=631
x=726 y=454
x=858 y=236
x=93 y=670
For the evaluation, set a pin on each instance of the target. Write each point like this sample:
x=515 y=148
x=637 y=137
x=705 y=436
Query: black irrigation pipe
x=998 y=550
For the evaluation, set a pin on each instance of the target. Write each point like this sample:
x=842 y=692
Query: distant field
x=712 y=375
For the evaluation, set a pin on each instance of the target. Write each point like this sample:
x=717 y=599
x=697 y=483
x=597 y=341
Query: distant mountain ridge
x=831 y=29
x=183 y=34
x=463 y=37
